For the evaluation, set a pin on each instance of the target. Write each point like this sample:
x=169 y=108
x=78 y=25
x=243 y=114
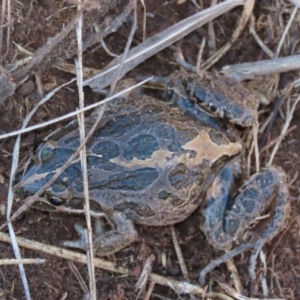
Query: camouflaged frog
x=154 y=162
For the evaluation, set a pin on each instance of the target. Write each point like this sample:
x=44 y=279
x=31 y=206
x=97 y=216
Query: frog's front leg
x=107 y=242
x=176 y=94
x=223 y=97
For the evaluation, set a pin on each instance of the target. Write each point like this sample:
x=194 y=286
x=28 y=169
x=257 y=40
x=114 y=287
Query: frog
x=154 y=161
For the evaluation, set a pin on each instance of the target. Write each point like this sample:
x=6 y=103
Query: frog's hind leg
x=212 y=212
x=265 y=190
x=107 y=242
x=279 y=212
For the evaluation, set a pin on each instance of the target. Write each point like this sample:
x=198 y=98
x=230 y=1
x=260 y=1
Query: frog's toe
x=79 y=244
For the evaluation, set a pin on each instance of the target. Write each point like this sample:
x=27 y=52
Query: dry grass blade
x=258 y=39
x=17 y=254
x=14 y=166
x=180 y=257
x=158 y=42
x=180 y=286
x=142 y=281
x=235 y=276
x=149 y=291
x=71 y=114
x=78 y=276
x=248 y=7
x=284 y=130
x=83 y=160
x=24 y=261
x=288 y=25
x=252 y=70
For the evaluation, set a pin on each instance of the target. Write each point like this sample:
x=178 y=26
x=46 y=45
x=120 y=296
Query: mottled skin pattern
x=152 y=164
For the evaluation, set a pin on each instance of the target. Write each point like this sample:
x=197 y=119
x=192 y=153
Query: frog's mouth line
x=68 y=207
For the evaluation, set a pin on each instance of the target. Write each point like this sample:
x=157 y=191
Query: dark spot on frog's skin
x=217 y=137
x=141 y=147
x=131 y=209
x=222 y=161
x=118 y=126
x=164 y=131
x=136 y=180
x=72 y=141
x=178 y=175
x=281 y=199
x=249 y=205
x=182 y=177
x=250 y=195
x=163 y=195
x=58 y=187
x=264 y=179
x=47 y=154
x=106 y=150
x=174 y=200
x=232 y=225
x=68 y=177
x=100 y=163
x=175 y=146
x=52 y=159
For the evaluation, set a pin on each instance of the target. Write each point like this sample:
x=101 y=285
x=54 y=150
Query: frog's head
x=40 y=168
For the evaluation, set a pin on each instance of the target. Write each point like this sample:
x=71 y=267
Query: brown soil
x=55 y=279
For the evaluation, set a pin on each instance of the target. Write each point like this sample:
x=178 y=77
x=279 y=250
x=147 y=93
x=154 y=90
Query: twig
x=3 y=10
x=71 y=114
x=200 y=53
x=78 y=276
x=182 y=264
x=287 y=27
x=247 y=11
x=149 y=291
x=83 y=159
x=158 y=42
x=5 y=262
x=211 y=39
x=255 y=69
x=255 y=141
x=273 y=142
x=257 y=38
x=180 y=286
x=284 y=130
x=235 y=275
x=144 y=19
x=142 y=281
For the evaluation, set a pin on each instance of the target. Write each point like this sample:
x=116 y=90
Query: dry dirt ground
x=33 y=23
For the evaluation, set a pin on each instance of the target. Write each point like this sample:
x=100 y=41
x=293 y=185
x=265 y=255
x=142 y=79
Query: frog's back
x=145 y=158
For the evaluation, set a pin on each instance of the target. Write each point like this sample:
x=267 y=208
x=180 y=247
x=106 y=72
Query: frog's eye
x=55 y=201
